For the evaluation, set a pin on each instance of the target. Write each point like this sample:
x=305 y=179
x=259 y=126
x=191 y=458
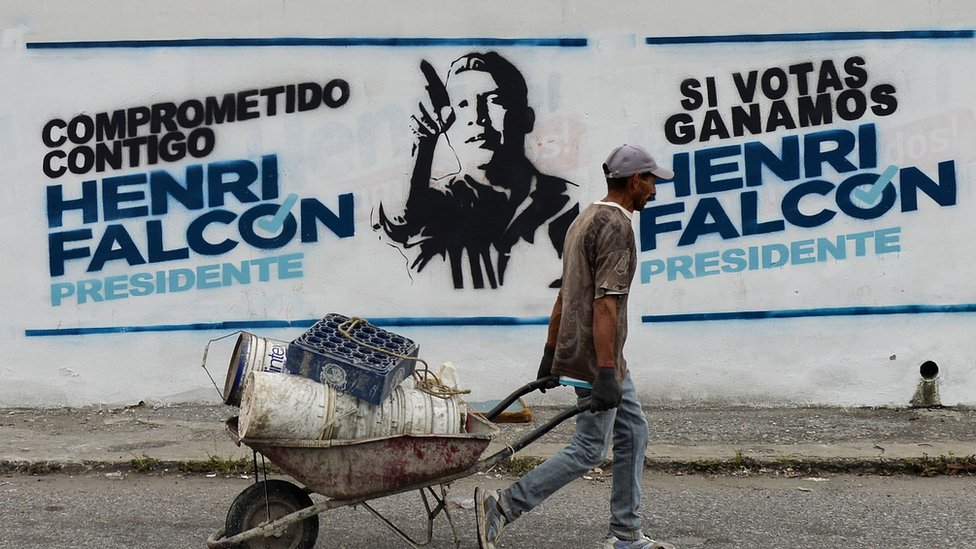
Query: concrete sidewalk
x=717 y=439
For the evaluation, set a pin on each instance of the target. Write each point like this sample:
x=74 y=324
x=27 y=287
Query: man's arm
x=548 y=354
x=554 y=319
x=605 y=330
x=606 y=390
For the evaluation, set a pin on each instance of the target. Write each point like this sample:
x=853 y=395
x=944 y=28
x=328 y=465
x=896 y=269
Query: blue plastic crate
x=325 y=354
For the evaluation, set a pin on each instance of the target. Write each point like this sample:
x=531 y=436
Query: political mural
x=174 y=190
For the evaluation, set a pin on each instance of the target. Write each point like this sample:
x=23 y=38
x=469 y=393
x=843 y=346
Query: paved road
x=692 y=511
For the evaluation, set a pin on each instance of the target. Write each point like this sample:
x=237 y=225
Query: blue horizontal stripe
x=800 y=313
x=311 y=42
x=231 y=325
x=813 y=37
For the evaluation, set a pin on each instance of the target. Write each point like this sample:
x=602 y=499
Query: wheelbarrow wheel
x=251 y=509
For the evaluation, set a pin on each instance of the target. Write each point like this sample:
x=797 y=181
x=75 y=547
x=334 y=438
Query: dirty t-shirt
x=599 y=259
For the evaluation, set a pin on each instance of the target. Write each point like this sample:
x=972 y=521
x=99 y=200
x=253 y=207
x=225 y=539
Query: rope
x=425 y=380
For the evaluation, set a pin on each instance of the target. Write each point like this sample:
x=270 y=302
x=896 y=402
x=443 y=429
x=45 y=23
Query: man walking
x=587 y=331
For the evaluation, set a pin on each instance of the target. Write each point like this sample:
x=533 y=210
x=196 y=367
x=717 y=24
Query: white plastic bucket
x=252 y=353
x=288 y=406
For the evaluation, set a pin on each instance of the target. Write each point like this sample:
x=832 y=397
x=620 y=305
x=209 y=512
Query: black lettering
x=247 y=106
x=219 y=112
x=271 y=96
x=80 y=160
x=857 y=76
x=86 y=132
x=108 y=153
x=47 y=133
x=132 y=145
x=779 y=117
x=782 y=85
x=110 y=127
x=743 y=119
x=828 y=79
x=712 y=95
x=48 y=167
x=815 y=110
x=309 y=96
x=136 y=117
x=713 y=126
x=802 y=72
x=884 y=97
x=290 y=98
x=190 y=114
x=679 y=129
x=162 y=115
x=172 y=147
x=201 y=142
x=851 y=104
x=747 y=89
x=693 y=98
x=329 y=96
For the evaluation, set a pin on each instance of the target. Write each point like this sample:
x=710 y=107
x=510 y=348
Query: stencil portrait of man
x=491 y=199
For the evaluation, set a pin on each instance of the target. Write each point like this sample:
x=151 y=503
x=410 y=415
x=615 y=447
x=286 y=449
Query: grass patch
x=927 y=466
x=518 y=466
x=144 y=464
x=42 y=467
x=221 y=466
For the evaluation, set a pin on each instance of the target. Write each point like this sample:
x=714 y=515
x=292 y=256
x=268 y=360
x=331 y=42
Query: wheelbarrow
x=277 y=513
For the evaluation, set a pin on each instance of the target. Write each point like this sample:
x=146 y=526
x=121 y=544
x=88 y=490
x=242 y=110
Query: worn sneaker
x=489 y=517
x=613 y=542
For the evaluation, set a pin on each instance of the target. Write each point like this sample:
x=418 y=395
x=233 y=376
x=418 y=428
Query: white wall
x=789 y=334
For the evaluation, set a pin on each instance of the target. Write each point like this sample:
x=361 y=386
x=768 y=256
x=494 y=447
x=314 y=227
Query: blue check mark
x=274 y=224
x=872 y=195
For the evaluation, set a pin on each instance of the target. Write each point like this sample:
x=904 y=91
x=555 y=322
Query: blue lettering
x=194 y=233
x=651 y=268
x=801 y=251
x=115 y=235
x=705 y=171
x=750 y=214
x=699 y=225
x=341 y=225
x=913 y=180
x=814 y=157
x=706 y=264
x=57 y=205
x=785 y=167
x=156 y=249
x=58 y=255
x=846 y=205
x=242 y=174
x=791 y=204
x=774 y=255
x=650 y=228
x=734 y=260
x=112 y=197
x=887 y=240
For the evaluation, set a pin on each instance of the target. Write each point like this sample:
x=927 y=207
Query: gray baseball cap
x=626 y=160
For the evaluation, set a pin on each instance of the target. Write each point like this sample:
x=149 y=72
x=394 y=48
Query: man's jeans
x=588 y=449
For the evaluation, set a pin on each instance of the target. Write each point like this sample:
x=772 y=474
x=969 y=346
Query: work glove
x=545 y=369
x=606 y=393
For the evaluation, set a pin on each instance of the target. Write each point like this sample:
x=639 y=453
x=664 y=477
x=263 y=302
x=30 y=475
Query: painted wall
x=175 y=174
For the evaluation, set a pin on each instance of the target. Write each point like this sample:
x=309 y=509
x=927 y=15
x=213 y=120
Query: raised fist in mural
x=434 y=115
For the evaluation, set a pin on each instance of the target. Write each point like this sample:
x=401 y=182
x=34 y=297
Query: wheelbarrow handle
x=521 y=391
x=581 y=406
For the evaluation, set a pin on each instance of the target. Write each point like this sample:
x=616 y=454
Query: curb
x=924 y=466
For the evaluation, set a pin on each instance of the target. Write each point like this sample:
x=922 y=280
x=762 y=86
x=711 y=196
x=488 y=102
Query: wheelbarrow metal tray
x=364 y=467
